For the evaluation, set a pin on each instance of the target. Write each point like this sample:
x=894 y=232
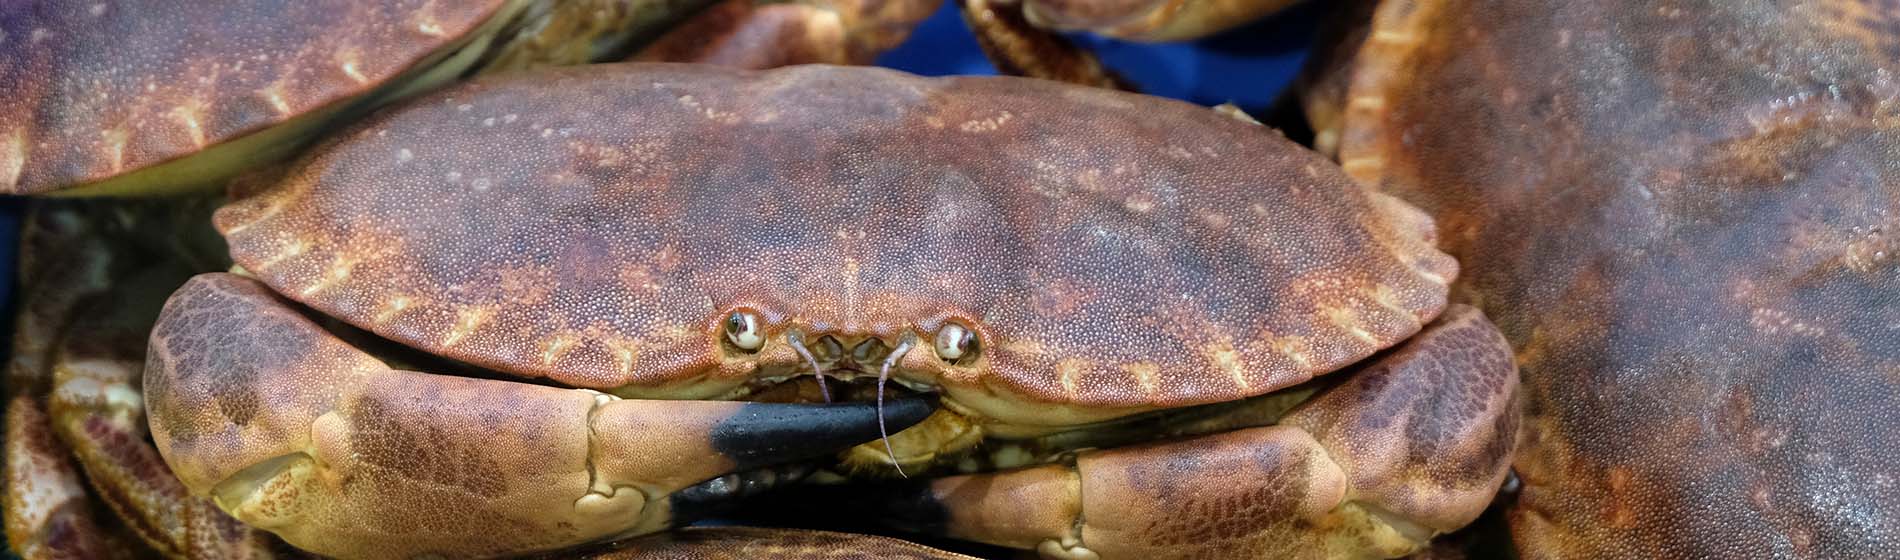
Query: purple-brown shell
x=98 y=89
x=1686 y=217
x=742 y=543
x=595 y=225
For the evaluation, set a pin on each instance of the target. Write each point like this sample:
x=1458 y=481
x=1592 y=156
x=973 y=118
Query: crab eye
x=742 y=328
x=955 y=343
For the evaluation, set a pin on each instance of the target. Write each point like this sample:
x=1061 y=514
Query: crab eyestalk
x=293 y=431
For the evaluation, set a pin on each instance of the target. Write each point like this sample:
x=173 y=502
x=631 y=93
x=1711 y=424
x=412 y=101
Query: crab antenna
x=798 y=345
x=884 y=373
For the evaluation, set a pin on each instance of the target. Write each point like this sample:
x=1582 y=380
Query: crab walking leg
x=97 y=410
x=1410 y=447
x=1018 y=48
x=89 y=299
x=759 y=35
x=47 y=513
x=296 y=432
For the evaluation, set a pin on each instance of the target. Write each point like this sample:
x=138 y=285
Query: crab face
x=1046 y=257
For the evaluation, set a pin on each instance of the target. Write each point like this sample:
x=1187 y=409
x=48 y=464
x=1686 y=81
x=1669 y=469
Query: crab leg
x=759 y=35
x=47 y=512
x=91 y=292
x=1019 y=48
x=1410 y=447
x=96 y=409
x=294 y=431
x=48 y=515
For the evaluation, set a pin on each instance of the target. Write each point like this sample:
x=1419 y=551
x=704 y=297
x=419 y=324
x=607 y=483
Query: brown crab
x=79 y=352
x=1684 y=215
x=95 y=274
x=91 y=270
x=1053 y=260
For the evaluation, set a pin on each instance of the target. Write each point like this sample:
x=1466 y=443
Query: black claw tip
x=762 y=434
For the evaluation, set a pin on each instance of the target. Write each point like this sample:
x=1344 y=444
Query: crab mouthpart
x=817 y=371
x=866 y=355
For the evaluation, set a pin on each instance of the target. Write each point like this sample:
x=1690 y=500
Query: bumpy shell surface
x=98 y=89
x=742 y=543
x=594 y=226
x=1686 y=216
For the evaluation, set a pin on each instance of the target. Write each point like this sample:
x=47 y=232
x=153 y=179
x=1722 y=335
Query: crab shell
x=1112 y=253
x=745 y=543
x=1685 y=217
x=94 y=273
x=599 y=227
x=129 y=97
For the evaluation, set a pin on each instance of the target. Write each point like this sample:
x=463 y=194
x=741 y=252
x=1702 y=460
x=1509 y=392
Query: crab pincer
x=295 y=431
x=627 y=281
x=1409 y=446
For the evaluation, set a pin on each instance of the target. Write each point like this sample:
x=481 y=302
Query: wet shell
x=595 y=226
x=1685 y=216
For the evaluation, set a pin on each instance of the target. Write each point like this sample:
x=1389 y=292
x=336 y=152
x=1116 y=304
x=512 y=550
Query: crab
x=588 y=340
x=79 y=350
x=93 y=273
x=1684 y=217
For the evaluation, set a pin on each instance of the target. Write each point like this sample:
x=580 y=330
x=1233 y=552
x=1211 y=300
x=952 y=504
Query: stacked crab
x=439 y=281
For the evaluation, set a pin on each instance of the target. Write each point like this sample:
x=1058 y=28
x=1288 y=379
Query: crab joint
x=355 y=459
x=1341 y=475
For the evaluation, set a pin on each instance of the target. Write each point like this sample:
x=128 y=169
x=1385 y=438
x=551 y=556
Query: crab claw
x=1412 y=446
x=292 y=430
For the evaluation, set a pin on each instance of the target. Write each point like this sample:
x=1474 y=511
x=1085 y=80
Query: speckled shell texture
x=96 y=89
x=1686 y=217
x=595 y=226
x=745 y=543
